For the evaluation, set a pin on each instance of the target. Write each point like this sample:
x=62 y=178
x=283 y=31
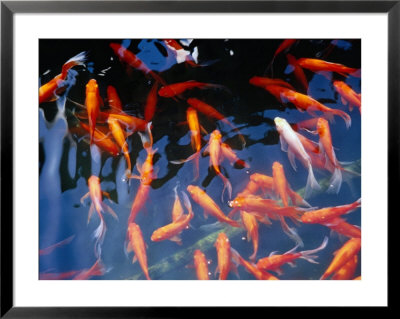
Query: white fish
x=291 y=144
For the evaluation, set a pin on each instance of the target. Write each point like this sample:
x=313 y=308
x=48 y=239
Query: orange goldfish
x=172 y=230
x=342 y=256
x=317 y=65
x=251 y=267
x=177 y=89
x=284 y=46
x=325 y=145
x=291 y=144
x=151 y=103
x=323 y=215
x=214 y=147
x=209 y=111
x=102 y=140
x=251 y=225
x=264 y=81
x=225 y=264
x=113 y=99
x=228 y=153
x=201 y=265
x=48 y=91
x=131 y=122
x=342 y=227
x=209 y=206
x=132 y=60
x=348 y=96
x=346 y=272
x=274 y=262
x=138 y=246
x=92 y=102
x=306 y=103
x=96 y=270
x=96 y=196
x=120 y=138
x=177 y=209
x=298 y=71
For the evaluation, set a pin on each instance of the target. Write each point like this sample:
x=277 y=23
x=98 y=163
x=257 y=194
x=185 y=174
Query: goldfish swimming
x=92 y=103
x=96 y=196
x=177 y=89
x=138 y=246
x=251 y=267
x=209 y=206
x=113 y=99
x=172 y=230
x=317 y=65
x=342 y=256
x=348 y=96
x=264 y=81
x=274 y=262
x=209 y=111
x=306 y=103
x=96 y=270
x=102 y=140
x=346 y=272
x=230 y=155
x=50 y=249
x=284 y=46
x=120 y=138
x=48 y=91
x=342 y=227
x=298 y=71
x=326 y=147
x=177 y=209
x=201 y=265
x=251 y=225
x=325 y=214
x=151 y=103
x=291 y=144
x=132 y=60
x=225 y=264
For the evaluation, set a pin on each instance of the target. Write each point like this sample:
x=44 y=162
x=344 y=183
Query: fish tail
x=346 y=117
x=227 y=185
x=98 y=269
x=99 y=235
x=311 y=182
x=291 y=232
x=78 y=59
x=335 y=182
x=308 y=254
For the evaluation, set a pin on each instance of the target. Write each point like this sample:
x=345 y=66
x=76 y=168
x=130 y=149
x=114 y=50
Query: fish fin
x=109 y=210
x=99 y=235
x=335 y=181
x=291 y=232
x=292 y=159
x=279 y=271
x=131 y=176
x=84 y=197
x=205 y=214
x=139 y=166
x=129 y=248
x=134 y=259
x=311 y=182
x=228 y=186
x=176 y=239
x=235 y=269
x=343 y=100
x=284 y=144
x=106 y=194
x=292 y=264
x=206 y=151
x=203 y=130
x=91 y=211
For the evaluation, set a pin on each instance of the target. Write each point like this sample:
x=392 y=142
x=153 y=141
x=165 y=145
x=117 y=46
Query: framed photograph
x=184 y=151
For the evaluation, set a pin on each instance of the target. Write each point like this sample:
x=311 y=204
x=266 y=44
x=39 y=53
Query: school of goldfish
x=107 y=126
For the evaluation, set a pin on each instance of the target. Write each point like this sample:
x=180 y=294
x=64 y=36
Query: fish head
x=92 y=86
x=166 y=91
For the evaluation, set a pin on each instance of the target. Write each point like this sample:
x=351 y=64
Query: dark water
x=66 y=162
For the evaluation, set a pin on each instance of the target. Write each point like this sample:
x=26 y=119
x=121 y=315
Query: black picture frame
x=9 y=8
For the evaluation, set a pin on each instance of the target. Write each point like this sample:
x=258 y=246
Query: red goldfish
x=176 y=89
x=132 y=60
x=47 y=92
x=209 y=206
x=342 y=256
x=209 y=111
x=348 y=96
x=138 y=246
x=101 y=140
x=96 y=270
x=201 y=265
x=151 y=103
x=342 y=227
x=113 y=99
x=291 y=144
x=274 y=262
x=264 y=81
x=92 y=102
x=306 y=103
x=298 y=71
x=172 y=230
x=317 y=65
x=225 y=264
x=323 y=215
x=251 y=268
